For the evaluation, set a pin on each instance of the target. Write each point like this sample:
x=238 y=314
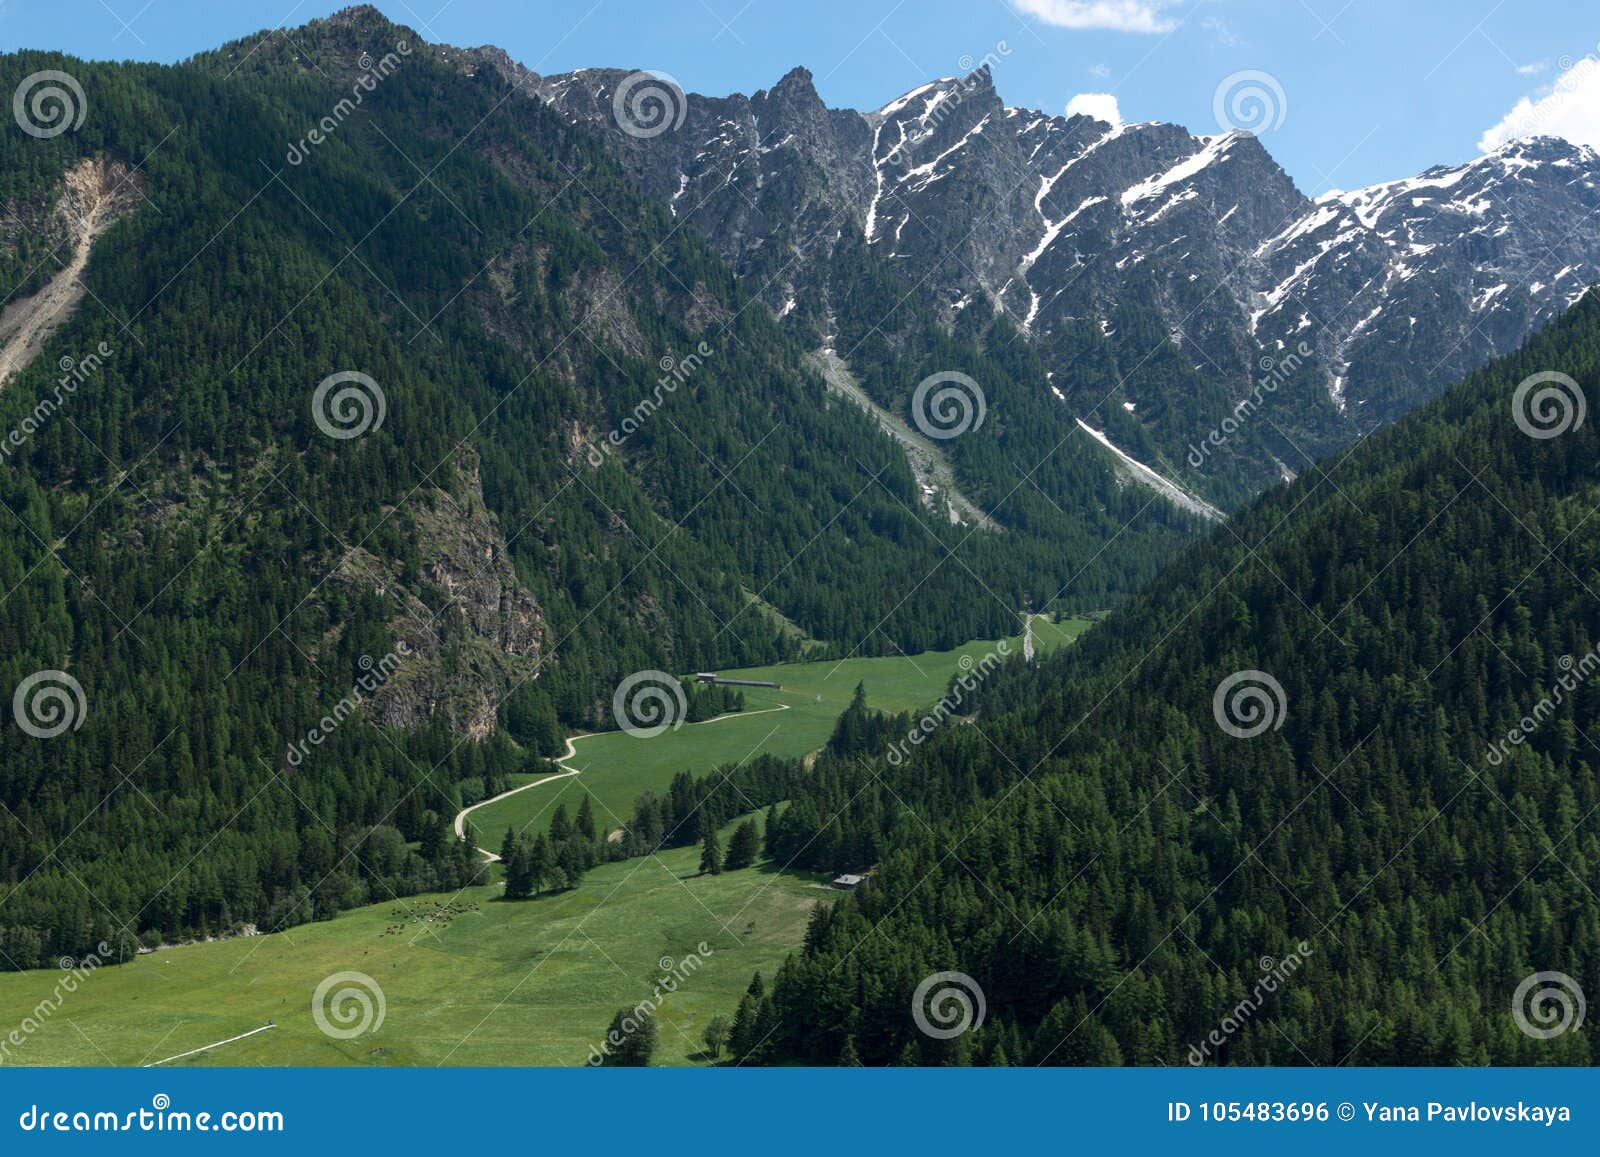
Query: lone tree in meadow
x=716 y=1034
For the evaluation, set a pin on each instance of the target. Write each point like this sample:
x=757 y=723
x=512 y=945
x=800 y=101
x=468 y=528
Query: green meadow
x=532 y=982
x=472 y=979
x=615 y=767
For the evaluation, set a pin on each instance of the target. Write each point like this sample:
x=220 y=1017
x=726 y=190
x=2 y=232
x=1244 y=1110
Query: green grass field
x=498 y=983
x=615 y=767
x=527 y=983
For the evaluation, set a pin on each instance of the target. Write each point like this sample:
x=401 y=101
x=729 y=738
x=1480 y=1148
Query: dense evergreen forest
x=1116 y=871
x=220 y=577
x=218 y=574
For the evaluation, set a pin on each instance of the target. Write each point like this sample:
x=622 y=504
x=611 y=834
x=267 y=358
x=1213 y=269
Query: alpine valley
x=386 y=418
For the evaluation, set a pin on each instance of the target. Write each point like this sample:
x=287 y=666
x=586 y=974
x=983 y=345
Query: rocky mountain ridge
x=1351 y=308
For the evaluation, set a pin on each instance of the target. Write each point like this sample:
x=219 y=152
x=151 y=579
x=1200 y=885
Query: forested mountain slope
x=384 y=388
x=1353 y=731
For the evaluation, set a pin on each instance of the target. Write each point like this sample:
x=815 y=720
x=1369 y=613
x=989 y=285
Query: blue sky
x=1371 y=89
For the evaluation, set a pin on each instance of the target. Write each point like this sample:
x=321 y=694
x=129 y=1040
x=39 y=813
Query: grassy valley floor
x=615 y=767
x=531 y=982
x=472 y=979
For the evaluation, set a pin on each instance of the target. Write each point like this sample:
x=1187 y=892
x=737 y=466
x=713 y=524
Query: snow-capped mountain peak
x=1061 y=223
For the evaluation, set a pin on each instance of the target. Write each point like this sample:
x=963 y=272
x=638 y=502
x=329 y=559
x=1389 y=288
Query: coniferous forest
x=1352 y=727
x=1112 y=867
x=218 y=573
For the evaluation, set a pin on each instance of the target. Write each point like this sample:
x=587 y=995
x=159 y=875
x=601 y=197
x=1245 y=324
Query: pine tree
x=585 y=823
x=770 y=842
x=519 y=874
x=742 y=1037
x=711 y=853
x=743 y=847
x=541 y=863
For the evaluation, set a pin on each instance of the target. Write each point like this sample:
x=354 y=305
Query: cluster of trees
x=744 y=846
x=553 y=861
x=1110 y=866
x=694 y=805
x=709 y=700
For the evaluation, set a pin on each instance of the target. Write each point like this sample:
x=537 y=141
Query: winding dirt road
x=568 y=772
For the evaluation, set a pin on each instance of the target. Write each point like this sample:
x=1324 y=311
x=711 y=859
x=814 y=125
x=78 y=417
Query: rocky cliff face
x=472 y=631
x=1193 y=263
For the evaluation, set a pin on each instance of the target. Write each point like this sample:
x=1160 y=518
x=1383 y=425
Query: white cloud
x=1218 y=27
x=1100 y=71
x=1533 y=69
x=1569 y=108
x=1112 y=15
x=1100 y=105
